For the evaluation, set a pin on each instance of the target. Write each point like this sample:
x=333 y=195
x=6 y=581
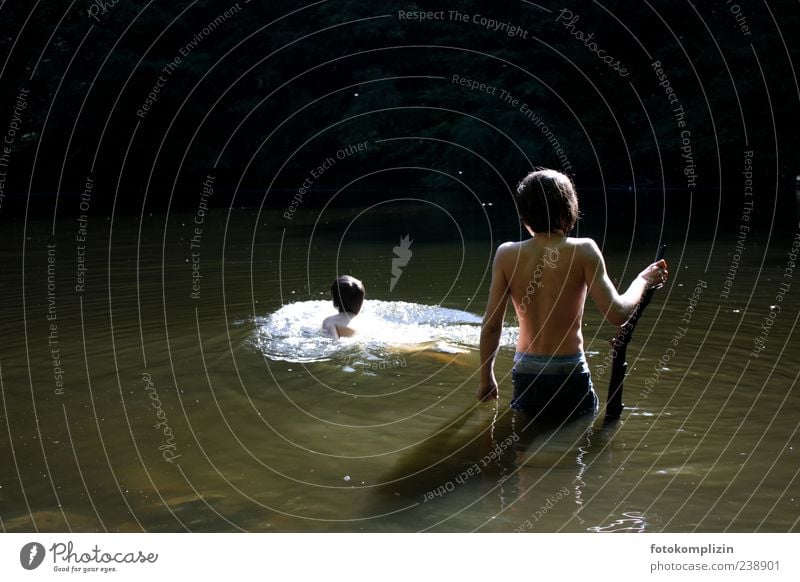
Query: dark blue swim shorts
x=556 y=387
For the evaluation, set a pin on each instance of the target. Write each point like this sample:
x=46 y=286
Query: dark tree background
x=277 y=87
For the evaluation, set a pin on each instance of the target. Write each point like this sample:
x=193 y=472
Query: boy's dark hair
x=547 y=201
x=348 y=294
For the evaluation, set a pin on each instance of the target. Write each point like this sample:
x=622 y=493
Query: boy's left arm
x=329 y=325
x=492 y=327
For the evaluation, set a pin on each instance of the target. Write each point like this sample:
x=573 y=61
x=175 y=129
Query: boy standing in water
x=348 y=296
x=548 y=277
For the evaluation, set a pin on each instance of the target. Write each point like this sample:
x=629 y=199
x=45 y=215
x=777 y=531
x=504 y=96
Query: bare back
x=547 y=283
x=548 y=278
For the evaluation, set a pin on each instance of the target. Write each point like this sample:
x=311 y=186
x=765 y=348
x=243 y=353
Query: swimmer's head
x=547 y=201
x=348 y=294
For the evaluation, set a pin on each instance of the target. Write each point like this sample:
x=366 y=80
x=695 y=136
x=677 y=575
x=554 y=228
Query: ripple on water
x=630 y=522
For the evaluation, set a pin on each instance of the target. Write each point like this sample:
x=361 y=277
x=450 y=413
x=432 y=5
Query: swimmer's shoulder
x=329 y=326
x=330 y=320
x=341 y=324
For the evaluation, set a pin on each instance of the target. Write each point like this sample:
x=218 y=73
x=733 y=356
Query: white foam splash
x=294 y=333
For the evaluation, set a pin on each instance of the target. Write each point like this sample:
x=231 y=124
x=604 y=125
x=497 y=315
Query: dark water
x=170 y=418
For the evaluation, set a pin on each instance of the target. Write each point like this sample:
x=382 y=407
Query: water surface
x=209 y=404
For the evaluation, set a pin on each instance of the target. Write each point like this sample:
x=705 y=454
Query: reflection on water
x=630 y=522
x=279 y=428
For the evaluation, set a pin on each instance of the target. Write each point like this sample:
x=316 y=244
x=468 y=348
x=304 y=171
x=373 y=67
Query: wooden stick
x=619 y=346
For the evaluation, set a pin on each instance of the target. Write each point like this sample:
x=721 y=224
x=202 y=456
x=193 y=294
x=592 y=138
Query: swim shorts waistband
x=539 y=364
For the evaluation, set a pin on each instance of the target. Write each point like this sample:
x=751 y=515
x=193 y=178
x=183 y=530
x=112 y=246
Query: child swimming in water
x=547 y=278
x=348 y=296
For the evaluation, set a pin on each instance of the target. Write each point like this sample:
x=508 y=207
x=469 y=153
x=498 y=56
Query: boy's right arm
x=492 y=326
x=614 y=307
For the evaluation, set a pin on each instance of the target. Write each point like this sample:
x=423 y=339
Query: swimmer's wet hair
x=348 y=294
x=547 y=201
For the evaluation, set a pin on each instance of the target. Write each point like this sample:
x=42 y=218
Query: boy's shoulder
x=333 y=319
x=587 y=251
x=578 y=242
x=583 y=241
x=341 y=319
x=585 y=244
